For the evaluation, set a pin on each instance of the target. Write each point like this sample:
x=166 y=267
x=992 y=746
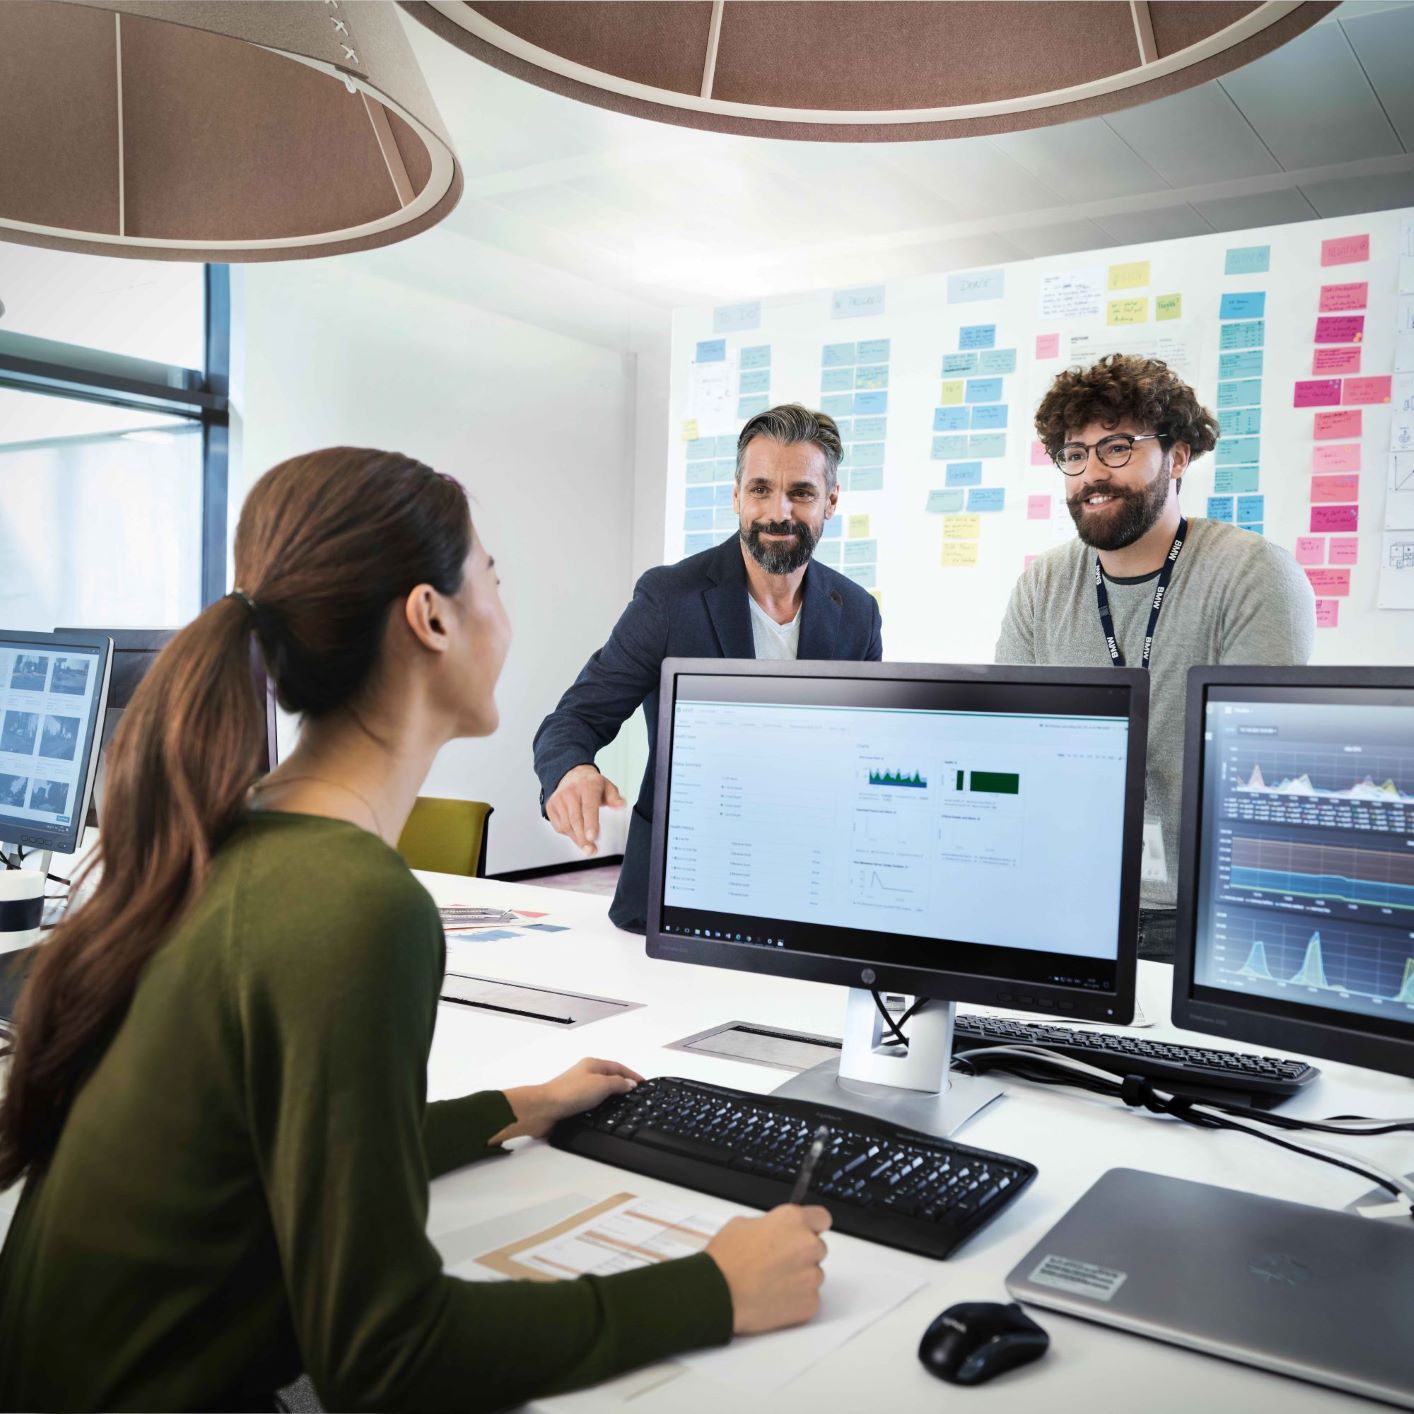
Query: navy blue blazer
x=697 y=608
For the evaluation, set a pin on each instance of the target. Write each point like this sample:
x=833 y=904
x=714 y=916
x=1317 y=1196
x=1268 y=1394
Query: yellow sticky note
x=857 y=527
x=952 y=392
x=959 y=552
x=878 y=597
x=1132 y=275
x=1168 y=306
x=1128 y=311
x=689 y=430
x=962 y=527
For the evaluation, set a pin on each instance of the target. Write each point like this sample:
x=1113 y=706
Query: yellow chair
x=446 y=836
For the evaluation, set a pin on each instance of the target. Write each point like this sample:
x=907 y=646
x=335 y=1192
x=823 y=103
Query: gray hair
x=790 y=423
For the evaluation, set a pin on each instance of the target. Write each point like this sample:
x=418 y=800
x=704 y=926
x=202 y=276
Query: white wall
x=400 y=348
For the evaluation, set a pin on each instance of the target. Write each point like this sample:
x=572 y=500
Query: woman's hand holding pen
x=772 y=1267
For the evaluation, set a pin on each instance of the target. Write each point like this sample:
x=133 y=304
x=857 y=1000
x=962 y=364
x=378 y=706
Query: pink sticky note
x=1340 y=329
x=1316 y=393
x=1345 y=549
x=1327 y=613
x=1047 y=345
x=1336 y=360
x=1340 y=519
x=1342 y=456
x=1026 y=562
x=1335 y=298
x=1330 y=582
x=1330 y=425
x=1365 y=390
x=1345 y=250
x=1038 y=508
x=1038 y=455
x=1310 y=550
x=1330 y=490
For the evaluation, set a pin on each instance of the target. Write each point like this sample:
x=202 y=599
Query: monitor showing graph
x=1305 y=853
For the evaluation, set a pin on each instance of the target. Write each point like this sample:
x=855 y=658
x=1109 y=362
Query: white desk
x=1072 y=1139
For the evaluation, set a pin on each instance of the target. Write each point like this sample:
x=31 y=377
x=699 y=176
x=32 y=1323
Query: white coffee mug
x=21 y=908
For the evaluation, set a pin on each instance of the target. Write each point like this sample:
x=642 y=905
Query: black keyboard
x=1185 y=1068
x=879 y=1181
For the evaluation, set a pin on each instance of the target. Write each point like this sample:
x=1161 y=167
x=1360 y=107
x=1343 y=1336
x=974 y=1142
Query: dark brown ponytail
x=326 y=543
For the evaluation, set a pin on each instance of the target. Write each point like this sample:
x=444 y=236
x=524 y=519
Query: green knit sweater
x=240 y=1189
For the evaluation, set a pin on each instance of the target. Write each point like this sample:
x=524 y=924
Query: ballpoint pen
x=807 y=1169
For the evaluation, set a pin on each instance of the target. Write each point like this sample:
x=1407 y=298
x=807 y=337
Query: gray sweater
x=1235 y=598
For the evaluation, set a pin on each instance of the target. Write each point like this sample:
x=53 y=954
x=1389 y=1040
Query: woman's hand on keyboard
x=772 y=1267
x=580 y=1088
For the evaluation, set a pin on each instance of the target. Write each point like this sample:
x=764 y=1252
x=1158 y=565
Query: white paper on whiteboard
x=1397 y=570
x=1072 y=294
x=710 y=400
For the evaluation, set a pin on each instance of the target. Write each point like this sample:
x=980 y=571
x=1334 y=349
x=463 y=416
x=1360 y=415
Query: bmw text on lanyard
x=1107 y=622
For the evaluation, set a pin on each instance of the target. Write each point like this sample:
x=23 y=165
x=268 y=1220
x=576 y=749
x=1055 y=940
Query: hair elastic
x=246 y=600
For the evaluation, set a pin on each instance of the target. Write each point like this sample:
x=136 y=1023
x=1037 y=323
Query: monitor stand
x=911 y=1086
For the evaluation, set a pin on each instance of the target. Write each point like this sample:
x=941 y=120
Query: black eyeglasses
x=1113 y=451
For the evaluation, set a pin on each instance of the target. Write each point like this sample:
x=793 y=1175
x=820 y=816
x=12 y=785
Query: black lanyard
x=1107 y=622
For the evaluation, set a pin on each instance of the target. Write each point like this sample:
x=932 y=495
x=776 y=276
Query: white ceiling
x=1321 y=127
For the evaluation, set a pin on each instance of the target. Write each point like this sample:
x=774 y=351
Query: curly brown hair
x=1146 y=390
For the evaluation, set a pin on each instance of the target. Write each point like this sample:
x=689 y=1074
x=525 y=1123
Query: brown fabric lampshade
x=224 y=130
x=866 y=70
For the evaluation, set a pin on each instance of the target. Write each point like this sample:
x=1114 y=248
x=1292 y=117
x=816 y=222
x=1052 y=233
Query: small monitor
x=960 y=833
x=53 y=690
x=1296 y=894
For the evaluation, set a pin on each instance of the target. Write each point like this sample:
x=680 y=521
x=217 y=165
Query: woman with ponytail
x=216 y=1100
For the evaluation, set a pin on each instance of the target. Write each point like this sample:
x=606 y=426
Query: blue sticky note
x=711 y=350
x=871 y=429
x=1240 y=422
x=726 y=446
x=749 y=407
x=703 y=449
x=722 y=494
x=945 y=448
x=697 y=518
x=837 y=380
x=996 y=361
x=837 y=356
x=546 y=928
x=837 y=404
x=699 y=473
x=701 y=495
x=1249 y=510
x=736 y=318
x=988 y=417
x=1228 y=479
x=845 y=423
x=1245 y=393
x=1220 y=508
x=1251 y=334
x=964 y=474
x=1245 y=364
x=871 y=402
x=1256 y=528
x=959 y=363
x=758 y=356
x=866 y=478
x=724 y=518
x=951 y=419
x=865 y=575
x=976 y=285
x=725 y=469
x=1239 y=451
x=834 y=529
x=986 y=498
x=1248 y=260
x=987 y=444
x=827 y=552
x=691 y=545
x=861 y=552
x=977 y=336
x=1247 y=305
x=876 y=375
x=983 y=390
x=859 y=454
x=856 y=303
x=944 y=502
x=873 y=350
x=756 y=380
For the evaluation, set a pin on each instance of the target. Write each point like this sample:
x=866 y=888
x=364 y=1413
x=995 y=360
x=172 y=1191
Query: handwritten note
x=989 y=417
x=757 y=356
x=1336 y=298
x=1310 y=549
x=711 y=350
x=1315 y=393
x=1131 y=275
x=1228 y=479
x=1345 y=549
x=857 y=303
x=736 y=318
x=956 y=363
x=996 y=361
x=977 y=336
x=1251 y=510
x=952 y=419
x=976 y=285
x=858 y=527
x=1340 y=520
x=1340 y=329
x=1329 y=583
x=959 y=554
x=1128 y=311
x=1246 y=305
x=967 y=527
x=1047 y=346
x=1246 y=392
x=986 y=498
x=873 y=351
x=1336 y=360
x=952 y=391
x=1039 y=456
x=1327 y=613
x=983 y=390
x=964 y=474
x=1220 y=508
x=1038 y=508
x=987 y=444
x=1247 y=334
x=1345 y=423
x=945 y=502
x=1328 y=490
x=1345 y=250
x=689 y=431
x=1168 y=306
x=1366 y=390
x=1240 y=422
x=950 y=446
x=1248 y=260
x=1339 y=456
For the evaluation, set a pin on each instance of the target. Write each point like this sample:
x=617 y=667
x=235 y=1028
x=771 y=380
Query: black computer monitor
x=53 y=690
x=955 y=833
x=134 y=652
x=1295 y=925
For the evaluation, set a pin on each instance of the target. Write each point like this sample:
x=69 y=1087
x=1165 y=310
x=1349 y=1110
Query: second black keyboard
x=880 y=1181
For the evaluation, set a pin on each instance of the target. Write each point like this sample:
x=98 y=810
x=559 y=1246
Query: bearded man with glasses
x=1145 y=587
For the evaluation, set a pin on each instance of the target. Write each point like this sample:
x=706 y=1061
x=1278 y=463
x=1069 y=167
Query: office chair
x=446 y=836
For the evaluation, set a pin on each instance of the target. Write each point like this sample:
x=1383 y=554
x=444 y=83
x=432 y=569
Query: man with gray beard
x=758 y=594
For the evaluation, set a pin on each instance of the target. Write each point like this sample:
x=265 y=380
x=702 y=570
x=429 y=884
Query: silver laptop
x=1324 y=1296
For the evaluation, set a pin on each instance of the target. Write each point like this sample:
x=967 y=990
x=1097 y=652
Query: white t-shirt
x=773 y=640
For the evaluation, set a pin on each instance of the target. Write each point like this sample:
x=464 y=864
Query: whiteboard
x=935 y=379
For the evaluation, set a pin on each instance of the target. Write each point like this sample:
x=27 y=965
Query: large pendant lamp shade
x=866 y=70
x=221 y=130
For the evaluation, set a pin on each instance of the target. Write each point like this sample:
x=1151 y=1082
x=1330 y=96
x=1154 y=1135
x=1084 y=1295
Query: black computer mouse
x=970 y=1343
